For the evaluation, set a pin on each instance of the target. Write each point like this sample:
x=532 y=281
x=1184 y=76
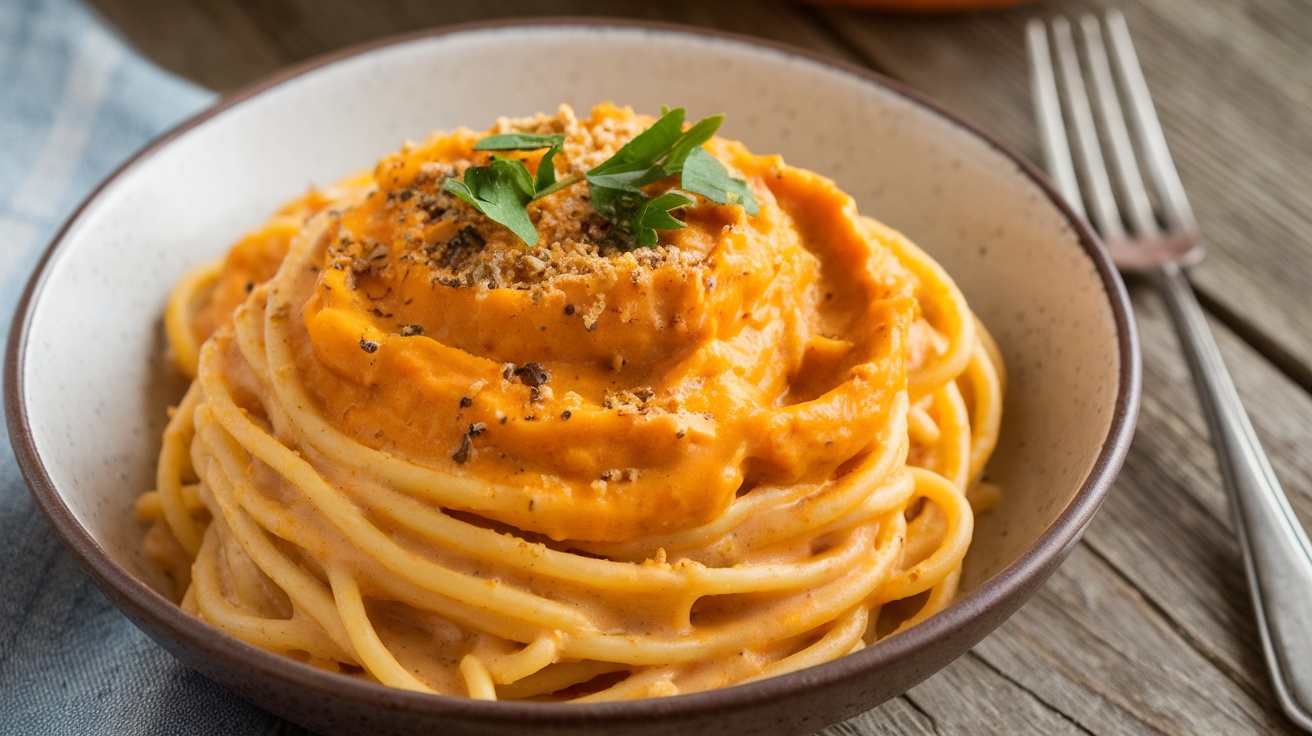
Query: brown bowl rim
x=1019 y=578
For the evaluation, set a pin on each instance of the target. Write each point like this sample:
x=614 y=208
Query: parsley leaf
x=503 y=189
x=705 y=175
x=663 y=150
x=519 y=142
x=687 y=144
x=500 y=190
x=654 y=214
x=546 y=180
x=641 y=154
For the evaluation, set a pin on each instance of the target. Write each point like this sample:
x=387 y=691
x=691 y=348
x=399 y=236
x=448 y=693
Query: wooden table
x=1148 y=626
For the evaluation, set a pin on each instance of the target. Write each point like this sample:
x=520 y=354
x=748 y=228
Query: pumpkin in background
x=920 y=6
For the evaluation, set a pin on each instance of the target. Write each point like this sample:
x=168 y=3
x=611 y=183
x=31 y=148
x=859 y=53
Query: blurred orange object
x=920 y=6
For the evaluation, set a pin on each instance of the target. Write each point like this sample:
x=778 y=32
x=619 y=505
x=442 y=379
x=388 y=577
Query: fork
x=1277 y=555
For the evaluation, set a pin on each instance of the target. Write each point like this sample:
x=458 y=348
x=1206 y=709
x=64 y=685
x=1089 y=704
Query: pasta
x=417 y=452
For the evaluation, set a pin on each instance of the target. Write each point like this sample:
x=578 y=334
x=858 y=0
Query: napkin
x=75 y=102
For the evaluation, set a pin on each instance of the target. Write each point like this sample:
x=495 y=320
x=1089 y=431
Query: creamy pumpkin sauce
x=422 y=452
x=741 y=350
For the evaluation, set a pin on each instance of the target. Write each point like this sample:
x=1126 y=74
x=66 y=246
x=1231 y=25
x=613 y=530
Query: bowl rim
x=1019 y=578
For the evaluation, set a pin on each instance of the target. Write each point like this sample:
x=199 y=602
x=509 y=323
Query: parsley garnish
x=502 y=189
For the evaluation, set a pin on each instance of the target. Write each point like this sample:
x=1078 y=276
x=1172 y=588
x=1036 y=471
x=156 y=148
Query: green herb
x=545 y=183
x=703 y=174
x=663 y=150
x=654 y=214
x=503 y=189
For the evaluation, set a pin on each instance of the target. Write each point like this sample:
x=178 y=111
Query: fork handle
x=1277 y=555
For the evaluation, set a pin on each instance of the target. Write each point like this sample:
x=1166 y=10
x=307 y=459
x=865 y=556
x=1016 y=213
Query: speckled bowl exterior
x=87 y=386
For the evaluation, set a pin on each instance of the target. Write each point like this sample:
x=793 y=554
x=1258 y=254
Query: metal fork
x=1277 y=555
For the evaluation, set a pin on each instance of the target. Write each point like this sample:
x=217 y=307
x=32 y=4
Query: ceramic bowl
x=87 y=388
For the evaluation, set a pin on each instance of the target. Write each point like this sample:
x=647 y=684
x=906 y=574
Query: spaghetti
x=416 y=452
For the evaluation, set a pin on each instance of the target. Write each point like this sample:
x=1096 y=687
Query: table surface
x=1148 y=626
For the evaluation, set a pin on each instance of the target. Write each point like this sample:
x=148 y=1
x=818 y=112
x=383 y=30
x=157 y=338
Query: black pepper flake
x=503 y=419
x=679 y=435
x=508 y=371
x=429 y=204
x=406 y=195
x=468 y=237
x=531 y=417
x=466 y=402
x=411 y=330
x=565 y=415
x=476 y=429
x=369 y=346
x=534 y=395
x=532 y=374
x=249 y=286
x=461 y=455
x=569 y=310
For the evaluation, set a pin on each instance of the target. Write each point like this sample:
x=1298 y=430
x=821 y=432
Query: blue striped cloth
x=75 y=102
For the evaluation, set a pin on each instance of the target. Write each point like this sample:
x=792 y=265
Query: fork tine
x=1052 y=131
x=1139 y=206
x=1098 y=195
x=1161 y=168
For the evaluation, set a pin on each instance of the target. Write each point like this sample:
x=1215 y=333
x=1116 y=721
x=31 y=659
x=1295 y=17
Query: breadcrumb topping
x=462 y=248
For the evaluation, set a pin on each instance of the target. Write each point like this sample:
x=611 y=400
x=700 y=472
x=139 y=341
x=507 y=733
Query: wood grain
x=225 y=44
x=1231 y=79
x=1148 y=627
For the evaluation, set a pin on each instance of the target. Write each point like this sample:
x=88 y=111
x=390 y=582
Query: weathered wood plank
x=225 y=45
x=1090 y=646
x=1149 y=626
x=898 y=717
x=1234 y=87
x=1168 y=525
x=973 y=696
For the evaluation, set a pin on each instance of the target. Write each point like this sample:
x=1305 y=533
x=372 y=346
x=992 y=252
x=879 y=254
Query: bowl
x=87 y=386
